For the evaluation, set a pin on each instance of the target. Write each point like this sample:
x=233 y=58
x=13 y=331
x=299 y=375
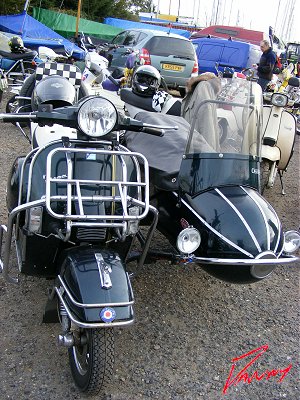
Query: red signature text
x=243 y=374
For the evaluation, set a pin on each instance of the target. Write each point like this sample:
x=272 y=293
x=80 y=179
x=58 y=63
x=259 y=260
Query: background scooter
x=279 y=129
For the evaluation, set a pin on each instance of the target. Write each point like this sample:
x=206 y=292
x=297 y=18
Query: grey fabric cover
x=164 y=154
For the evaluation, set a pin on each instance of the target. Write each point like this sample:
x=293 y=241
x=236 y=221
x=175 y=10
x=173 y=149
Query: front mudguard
x=85 y=292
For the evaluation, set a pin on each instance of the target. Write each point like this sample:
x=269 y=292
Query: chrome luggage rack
x=119 y=188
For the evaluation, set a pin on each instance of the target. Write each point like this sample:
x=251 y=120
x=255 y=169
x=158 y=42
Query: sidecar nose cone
x=261 y=271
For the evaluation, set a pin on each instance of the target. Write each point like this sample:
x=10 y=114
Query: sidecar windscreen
x=226 y=115
x=224 y=142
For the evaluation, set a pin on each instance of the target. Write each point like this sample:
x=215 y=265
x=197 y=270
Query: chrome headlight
x=97 y=116
x=188 y=240
x=279 y=99
x=291 y=241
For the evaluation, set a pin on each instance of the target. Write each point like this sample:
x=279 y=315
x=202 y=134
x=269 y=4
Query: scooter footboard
x=94 y=289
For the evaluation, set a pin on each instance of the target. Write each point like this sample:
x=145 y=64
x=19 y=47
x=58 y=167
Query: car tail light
x=145 y=55
x=195 y=68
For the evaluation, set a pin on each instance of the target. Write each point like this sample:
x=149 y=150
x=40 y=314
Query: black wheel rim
x=81 y=353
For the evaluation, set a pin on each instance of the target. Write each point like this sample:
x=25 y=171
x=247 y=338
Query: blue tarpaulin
x=35 y=34
x=124 y=24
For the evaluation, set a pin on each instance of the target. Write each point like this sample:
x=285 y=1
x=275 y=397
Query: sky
x=250 y=14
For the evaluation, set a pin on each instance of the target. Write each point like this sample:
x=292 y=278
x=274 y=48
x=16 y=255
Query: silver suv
x=173 y=55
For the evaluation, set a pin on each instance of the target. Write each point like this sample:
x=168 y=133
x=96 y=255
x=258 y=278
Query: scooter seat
x=18 y=56
x=145 y=103
x=172 y=106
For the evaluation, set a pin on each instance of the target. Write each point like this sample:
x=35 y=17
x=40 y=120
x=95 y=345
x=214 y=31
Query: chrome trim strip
x=236 y=261
x=215 y=231
x=241 y=218
x=93 y=324
x=104 y=271
x=263 y=215
x=96 y=305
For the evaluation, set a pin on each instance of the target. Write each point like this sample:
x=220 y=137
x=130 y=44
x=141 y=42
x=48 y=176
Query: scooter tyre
x=26 y=90
x=92 y=363
x=11 y=105
x=264 y=175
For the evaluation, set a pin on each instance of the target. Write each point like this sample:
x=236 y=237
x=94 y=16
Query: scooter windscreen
x=224 y=142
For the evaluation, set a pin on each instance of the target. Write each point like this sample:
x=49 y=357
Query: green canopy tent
x=65 y=24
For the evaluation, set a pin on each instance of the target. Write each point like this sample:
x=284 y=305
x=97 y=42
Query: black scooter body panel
x=79 y=271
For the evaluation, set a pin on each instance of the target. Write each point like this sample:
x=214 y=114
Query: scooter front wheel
x=92 y=359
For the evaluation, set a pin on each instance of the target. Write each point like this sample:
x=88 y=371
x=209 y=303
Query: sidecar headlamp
x=188 y=240
x=279 y=99
x=97 y=116
x=291 y=241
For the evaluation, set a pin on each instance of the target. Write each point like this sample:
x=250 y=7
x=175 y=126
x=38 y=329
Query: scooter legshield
x=82 y=281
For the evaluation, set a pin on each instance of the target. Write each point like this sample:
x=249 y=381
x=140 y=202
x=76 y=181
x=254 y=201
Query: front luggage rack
x=127 y=188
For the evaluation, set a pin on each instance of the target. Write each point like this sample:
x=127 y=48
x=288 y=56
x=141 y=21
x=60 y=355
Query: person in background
x=266 y=64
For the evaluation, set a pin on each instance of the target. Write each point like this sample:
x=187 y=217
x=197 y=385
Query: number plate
x=172 y=67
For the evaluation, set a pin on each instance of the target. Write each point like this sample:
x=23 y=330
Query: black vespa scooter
x=75 y=204
x=205 y=184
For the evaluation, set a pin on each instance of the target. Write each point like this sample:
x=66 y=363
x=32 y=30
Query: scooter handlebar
x=18 y=117
x=153 y=131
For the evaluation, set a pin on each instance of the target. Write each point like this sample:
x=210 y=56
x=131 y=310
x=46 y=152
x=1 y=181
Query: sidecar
x=206 y=184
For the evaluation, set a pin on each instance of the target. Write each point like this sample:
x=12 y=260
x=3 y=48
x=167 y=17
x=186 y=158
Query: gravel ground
x=189 y=326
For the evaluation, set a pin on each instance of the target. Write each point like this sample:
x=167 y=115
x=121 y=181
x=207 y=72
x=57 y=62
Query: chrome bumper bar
x=243 y=262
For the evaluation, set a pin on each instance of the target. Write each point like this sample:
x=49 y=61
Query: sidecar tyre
x=92 y=362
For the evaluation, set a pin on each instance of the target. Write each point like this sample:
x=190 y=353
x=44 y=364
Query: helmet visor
x=146 y=81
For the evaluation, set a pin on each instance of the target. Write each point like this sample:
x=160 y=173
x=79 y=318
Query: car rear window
x=166 y=46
